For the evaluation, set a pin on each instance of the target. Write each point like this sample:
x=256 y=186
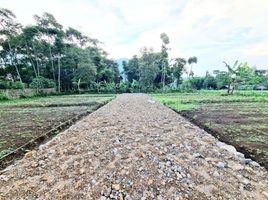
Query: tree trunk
x=190 y=72
x=15 y=64
x=163 y=76
x=229 y=88
x=52 y=64
x=233 y=87
x=58 y=74
x=31 y=59
x=37 y=63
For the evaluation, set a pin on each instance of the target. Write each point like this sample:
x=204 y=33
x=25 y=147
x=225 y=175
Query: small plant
x=17 y=85
x=3 y=97
x=5 y=152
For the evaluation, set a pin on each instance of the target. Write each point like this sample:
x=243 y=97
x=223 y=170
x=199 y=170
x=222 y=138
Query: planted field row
x=239 y=120
x=25 y=120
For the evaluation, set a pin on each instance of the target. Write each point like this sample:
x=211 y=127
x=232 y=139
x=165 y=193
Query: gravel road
x=134 y=148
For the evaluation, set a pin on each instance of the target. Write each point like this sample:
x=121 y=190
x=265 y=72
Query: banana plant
x=234 y=73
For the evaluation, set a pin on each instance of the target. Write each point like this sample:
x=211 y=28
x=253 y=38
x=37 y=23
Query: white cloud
x=211 y=30
x=260 y=49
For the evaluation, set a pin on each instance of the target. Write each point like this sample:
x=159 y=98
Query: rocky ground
x=134 y=148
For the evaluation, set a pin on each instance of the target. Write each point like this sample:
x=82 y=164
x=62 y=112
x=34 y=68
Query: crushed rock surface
x=133 y=148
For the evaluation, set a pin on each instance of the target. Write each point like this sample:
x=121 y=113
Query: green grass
x=189 y=101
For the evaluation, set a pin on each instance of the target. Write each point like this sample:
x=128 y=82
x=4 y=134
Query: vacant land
x=240 y=119
x=23 y=120
x=133 y=148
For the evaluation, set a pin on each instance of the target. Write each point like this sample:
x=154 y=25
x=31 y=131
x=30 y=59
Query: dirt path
x=134 y=148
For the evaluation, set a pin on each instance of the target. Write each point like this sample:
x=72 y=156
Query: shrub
x=41 y=82
x=108 y=87
x=210 y=82
x=197 y=82
x=17 y=85
x=123 y=87
x=4 y=84
x=3 y=97
x=186 y=86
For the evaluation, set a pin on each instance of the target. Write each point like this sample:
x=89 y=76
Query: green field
x=23 y=120
x=240 y=119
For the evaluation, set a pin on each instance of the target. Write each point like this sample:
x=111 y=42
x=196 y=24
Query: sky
x=212 y=30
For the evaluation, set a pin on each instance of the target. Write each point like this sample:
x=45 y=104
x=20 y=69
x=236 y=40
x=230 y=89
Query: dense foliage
x=45 y=54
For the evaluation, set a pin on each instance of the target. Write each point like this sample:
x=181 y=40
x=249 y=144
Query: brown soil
x=228 y=127
x=132 y=148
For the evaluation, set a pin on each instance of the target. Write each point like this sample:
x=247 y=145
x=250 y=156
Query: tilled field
x=24 y=120
x=134 y=148
x=243 y=125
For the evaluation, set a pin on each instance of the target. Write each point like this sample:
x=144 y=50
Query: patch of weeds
x=5 y=152
x=2 y=142
x=208 y=124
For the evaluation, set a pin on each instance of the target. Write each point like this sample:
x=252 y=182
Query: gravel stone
x=220 y=165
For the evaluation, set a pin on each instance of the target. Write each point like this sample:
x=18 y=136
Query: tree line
x=44 y=54
x=151 y=71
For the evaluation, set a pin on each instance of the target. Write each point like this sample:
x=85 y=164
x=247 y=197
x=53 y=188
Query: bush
x=123 y=87
x=210 y=83
x=197 y=82
x=186 y=86
x=107 y=87
x=17 y=85
x=134 y=86
x=41 y=82
x=3 y=97
x=4 y=84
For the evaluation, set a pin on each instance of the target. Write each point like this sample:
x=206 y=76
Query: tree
x=9 y=29
x=197 y=82
x=178 y=69
x=164 y=57
x=85 y=75
x=29 y=33
x=238 y=72
x=131 y=69
x=191 y=61
x=210 y=82
x=50 y=29
x=148 y=68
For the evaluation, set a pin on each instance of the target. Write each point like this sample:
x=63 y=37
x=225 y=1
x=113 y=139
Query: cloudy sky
x=212 y=30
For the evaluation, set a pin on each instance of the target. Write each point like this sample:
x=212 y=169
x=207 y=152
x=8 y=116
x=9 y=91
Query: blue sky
x=212 y=30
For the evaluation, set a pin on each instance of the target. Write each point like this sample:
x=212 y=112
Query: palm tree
x=192 y=60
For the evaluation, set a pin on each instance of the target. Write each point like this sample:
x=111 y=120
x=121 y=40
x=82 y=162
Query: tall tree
x=50 y=30
x=10 y=29
x=191 y=61
x=178 y=69
x=148 y=65
x=164 y=56
x=131 y=69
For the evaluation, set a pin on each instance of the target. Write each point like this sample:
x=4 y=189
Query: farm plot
x=240 y=120
x=26 y=119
